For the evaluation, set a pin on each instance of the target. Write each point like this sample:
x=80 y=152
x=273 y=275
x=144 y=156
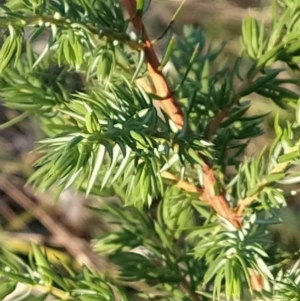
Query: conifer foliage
x=171 y=145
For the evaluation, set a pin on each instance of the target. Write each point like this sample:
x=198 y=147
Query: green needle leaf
x=96 y=168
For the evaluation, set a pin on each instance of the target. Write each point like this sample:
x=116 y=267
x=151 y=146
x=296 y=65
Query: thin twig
x=222 y=114
x=193 y=296
x=15 y=221
x=62 y=22
x=78 y=248
x=278 y=168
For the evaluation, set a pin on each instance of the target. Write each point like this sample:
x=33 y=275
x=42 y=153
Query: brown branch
x=222 y=114
x=170 y=105
x=207 y=194
x=173 y=110
x=217 y=200
x=77 y=247
x=159 y=85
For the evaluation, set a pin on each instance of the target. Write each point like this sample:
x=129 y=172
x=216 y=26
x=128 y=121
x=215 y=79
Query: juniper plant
x=171 y=145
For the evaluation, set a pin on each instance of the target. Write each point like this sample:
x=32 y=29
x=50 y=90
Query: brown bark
x=171 y=106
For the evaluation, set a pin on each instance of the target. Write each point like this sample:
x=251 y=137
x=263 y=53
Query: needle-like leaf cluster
x=106 y=134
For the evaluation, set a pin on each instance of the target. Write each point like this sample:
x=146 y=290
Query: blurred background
x=26 y=216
